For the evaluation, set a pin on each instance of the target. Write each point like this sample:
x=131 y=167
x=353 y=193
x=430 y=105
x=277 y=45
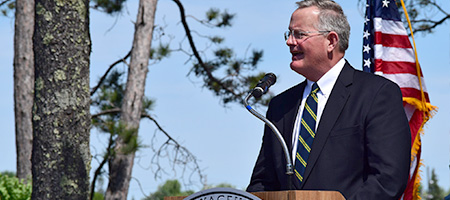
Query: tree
x=238 y=77
x=23 y=85
x=435 y=192
x=173 y=188
x=121 y=163
x=231 y=88
x=425 y=15
x=11 y=188
x=61 y=119
x=169 y=188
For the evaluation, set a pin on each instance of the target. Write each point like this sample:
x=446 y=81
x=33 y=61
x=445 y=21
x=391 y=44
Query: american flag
x=387 y=51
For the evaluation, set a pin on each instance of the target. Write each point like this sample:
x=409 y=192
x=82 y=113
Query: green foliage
x=12 y=189
x=129 y=136
x=7 y=7
x=257 y=56
x=218 y=19
x=8 y=173
x=435 y=192
x=212 y=13
x=109 y=98
x=170 y=188
x=220 y=185
x=226 y=74
x=98 y=196
x=238 y=75
x=109 y=6
x=173 y=188
x=216 y=39
x=160 y=52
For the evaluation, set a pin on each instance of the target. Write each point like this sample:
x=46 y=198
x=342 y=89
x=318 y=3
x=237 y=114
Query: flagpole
x=425 y=108
x=419 y=74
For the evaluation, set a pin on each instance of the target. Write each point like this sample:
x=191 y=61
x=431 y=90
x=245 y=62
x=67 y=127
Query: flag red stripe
x=389 y=40
x=414 y=93
x=395 y=67
x=408 y=194
x=414 y=124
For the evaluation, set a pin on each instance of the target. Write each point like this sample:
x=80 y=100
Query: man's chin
x=296 y=66
x=299 y=69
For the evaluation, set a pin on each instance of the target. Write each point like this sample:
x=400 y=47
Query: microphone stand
x=289 y=168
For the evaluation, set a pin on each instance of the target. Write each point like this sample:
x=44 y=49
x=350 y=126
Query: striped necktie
x=307 y=132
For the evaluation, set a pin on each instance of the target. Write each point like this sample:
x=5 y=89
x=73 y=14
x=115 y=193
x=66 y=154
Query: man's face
x=309 y=53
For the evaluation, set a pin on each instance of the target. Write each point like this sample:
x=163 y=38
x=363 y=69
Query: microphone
x=261 y=88
x=263 y=85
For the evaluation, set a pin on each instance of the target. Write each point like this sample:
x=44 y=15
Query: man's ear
x=333 y=41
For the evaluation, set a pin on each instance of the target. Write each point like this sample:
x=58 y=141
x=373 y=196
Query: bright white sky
x=225 y=140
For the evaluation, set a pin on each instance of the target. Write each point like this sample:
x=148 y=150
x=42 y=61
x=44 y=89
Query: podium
x=287 y=195
x=300 y=195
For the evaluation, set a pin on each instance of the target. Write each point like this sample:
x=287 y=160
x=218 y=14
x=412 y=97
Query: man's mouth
x=296 y=55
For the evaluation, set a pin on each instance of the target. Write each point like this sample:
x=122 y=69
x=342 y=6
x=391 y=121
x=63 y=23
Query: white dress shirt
x=326 y=84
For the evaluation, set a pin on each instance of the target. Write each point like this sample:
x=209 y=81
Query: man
x=350 y=134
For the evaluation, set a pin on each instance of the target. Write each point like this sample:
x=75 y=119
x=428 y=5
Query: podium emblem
x=222 y=194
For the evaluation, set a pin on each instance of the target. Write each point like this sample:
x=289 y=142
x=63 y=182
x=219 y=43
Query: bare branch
x=107 y=71
x=4 y=2
x=140 y=187
x=423 y=21
x=439 y=7
x=182 y=156
x=159 y=127
x=98 y=171
x=195 y=52
x=434 y=25
x=106 y=112
x=204 y=22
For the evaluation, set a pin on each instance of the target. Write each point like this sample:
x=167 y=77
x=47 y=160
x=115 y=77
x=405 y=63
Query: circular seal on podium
x=222 y=194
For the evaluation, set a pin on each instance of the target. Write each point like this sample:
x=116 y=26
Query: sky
x=225 y=140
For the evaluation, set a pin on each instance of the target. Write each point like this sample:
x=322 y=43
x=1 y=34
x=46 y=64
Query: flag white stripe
x=394 y=54
x=406 y=81
x=409 y=110
x=389 y=26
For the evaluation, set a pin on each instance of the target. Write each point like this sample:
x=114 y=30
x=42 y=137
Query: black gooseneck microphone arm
x=268 y=80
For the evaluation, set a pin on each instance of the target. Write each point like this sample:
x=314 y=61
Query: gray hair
x=331 y=18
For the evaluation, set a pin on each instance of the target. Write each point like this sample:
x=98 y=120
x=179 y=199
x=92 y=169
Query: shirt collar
x=326 y=82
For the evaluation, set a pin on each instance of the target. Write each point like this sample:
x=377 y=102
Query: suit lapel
x=333 y=108
x=289 y=118
x=288 y=122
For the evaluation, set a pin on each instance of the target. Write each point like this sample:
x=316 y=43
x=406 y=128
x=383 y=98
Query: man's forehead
x=304 y=16
x=313 y=9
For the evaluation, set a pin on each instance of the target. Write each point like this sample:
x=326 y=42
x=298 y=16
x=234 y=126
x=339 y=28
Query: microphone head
x=263 y=85
x=257 y=92
x=271 y=78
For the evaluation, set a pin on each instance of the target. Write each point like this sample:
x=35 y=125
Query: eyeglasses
x=300 y=34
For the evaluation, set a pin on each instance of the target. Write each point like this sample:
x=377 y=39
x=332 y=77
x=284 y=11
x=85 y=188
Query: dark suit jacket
x=362 y=145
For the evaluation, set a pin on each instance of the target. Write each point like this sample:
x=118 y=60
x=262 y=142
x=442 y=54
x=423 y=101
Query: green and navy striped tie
x=307 y=132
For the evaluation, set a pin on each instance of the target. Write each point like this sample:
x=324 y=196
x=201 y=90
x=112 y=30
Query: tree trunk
x=121 y=164
x=23 y=85
x=61 y=119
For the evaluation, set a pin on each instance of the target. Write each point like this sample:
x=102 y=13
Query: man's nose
x=291 y=41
